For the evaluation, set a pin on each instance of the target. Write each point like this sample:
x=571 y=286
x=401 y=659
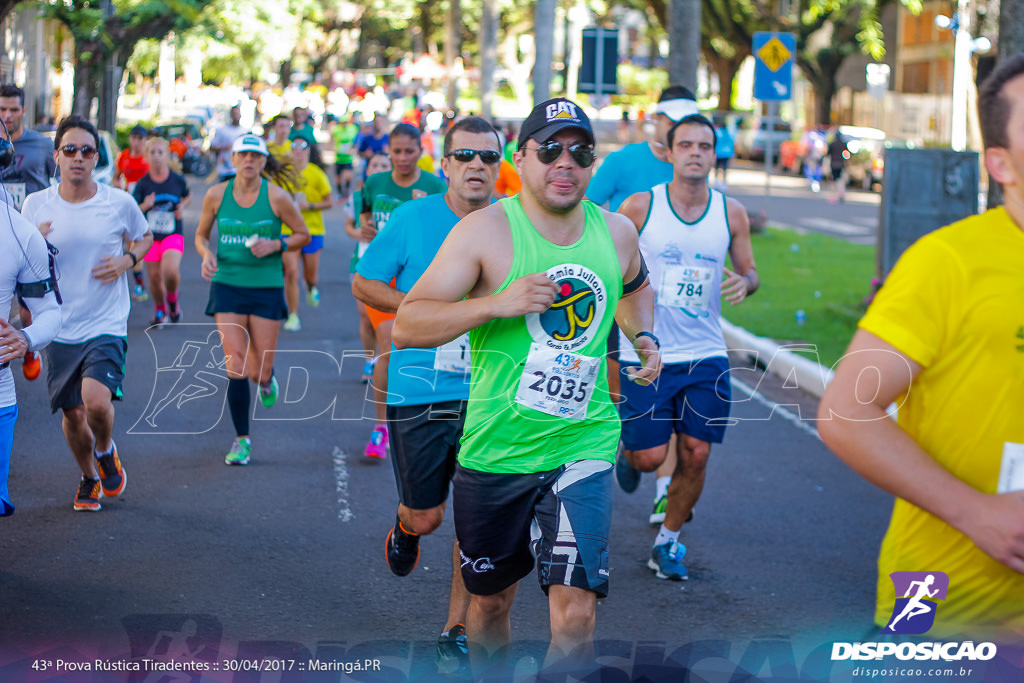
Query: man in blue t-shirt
x=642 y=165
x=428 y=388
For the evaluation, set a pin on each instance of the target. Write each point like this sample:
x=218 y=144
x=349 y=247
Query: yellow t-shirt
x=955 y=304
x=314 y=184
x=282 y=150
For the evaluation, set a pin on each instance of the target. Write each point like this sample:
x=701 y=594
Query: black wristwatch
x=135 y=259
x=645 y=333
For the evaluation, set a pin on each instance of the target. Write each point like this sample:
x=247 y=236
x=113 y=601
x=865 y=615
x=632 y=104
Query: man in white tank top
x=686 y=232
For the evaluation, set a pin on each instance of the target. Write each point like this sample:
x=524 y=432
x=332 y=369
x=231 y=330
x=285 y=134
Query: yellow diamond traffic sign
x=774 y=54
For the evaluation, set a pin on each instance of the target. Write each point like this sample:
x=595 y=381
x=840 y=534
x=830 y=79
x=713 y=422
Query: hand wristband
x=284 y=245
x=645 y=333
x=135 y=259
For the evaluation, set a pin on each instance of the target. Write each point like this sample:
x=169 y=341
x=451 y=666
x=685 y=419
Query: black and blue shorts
x=560 y=517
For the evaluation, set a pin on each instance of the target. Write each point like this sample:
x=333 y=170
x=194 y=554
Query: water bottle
x=801 y=317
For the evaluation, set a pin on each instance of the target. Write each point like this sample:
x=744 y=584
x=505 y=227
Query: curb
x=779 y=360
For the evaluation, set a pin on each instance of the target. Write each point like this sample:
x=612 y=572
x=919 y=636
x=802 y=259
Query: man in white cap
x=638 y=168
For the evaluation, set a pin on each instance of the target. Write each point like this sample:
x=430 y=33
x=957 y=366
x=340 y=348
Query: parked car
x=187 y=142
x=867 y=155
x=104 y=171
x=754 y=136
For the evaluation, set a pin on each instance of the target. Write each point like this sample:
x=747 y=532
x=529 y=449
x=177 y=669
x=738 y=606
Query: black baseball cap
x=547 y=118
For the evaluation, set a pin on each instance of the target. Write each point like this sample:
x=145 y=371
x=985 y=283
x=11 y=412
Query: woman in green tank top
x=246 y=274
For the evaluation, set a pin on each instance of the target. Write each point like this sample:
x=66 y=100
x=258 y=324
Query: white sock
x=662 y=487
x=665 y=535
x=100 y=455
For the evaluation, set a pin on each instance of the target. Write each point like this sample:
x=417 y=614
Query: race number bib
x=453 y=356
x=686 y=287
x=558 y=382
x=161 y=222
x=17 y=193
x=1011 y=472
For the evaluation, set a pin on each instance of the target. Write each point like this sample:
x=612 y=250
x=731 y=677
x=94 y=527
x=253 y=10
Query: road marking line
x=772 y=406
x=339 y=456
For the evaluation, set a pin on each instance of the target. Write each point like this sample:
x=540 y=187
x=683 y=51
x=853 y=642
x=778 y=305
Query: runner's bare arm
x=284 y=208
x=635 y=312
x=436 y=309
x=211 y=204
x=853 y=422
x=742 y=281
x=377 y=294
x=636 y=207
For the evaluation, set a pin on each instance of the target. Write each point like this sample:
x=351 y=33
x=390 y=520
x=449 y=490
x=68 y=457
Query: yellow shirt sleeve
x=922 y=295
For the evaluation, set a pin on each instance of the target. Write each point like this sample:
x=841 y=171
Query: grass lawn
x=825 y=277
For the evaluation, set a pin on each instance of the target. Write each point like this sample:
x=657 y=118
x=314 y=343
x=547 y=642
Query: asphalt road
x=283 y=560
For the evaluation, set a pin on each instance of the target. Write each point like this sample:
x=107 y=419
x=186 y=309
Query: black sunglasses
x=88 y=151
x=488 y=156
x=548 y=152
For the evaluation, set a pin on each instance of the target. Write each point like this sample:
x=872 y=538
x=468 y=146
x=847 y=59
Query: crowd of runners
x=527 y=348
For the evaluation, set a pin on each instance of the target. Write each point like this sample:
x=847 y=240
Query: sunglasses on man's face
x=549 y=152
x=488 y=156
x=300 y=144
x=88 y=151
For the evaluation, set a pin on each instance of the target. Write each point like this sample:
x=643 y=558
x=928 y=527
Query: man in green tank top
x=537 y=280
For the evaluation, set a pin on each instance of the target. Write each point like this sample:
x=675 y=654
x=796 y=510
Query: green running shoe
x=239 y=454
x=268 y=392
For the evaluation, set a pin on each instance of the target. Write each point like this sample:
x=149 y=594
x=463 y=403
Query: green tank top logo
x=575 y=316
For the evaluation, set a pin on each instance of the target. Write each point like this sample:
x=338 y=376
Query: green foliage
x=823 y=276
x=638 y=86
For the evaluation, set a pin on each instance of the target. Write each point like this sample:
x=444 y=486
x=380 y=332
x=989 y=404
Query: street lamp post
x=963 y=46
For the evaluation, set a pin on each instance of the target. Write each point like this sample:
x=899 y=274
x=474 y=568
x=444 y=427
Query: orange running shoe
x=31 y=365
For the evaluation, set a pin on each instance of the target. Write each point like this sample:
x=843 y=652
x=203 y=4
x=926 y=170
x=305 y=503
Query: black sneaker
x=88 y=496
x=174 y=311
x=112 y=475
x=627 y=475
x=402 y=550
x=452 y=655
x=159 y=318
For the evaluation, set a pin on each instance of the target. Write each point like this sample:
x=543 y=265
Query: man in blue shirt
x=428 y=388
x=642 y=165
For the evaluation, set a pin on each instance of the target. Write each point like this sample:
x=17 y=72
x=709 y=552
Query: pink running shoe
x=377 y=447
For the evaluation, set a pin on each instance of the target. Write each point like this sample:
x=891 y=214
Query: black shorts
x=722 y=163
x=424 y=443
x=101 y=358
x=338 y=168
x=502 y=521
x=262 y=302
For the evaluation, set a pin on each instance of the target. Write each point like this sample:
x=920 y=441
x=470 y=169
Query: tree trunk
x=544 y=33
x=684 y=42
x=87 y=78
x=488 y=56
x=286 y=73
x=726 y=69
x=453 y=48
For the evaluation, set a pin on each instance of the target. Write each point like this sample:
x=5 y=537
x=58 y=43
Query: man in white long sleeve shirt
x=23 y=271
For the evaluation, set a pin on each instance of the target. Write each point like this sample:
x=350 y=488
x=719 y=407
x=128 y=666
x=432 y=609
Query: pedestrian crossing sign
x=773 y=65
x=774 y=54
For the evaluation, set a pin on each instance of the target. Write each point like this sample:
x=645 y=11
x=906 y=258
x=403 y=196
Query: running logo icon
x=916 y=595
x=573 y=318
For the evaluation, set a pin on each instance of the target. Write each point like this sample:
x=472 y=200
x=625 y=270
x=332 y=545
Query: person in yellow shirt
x=944 y=339
x=278 y=143
x=312 y=194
